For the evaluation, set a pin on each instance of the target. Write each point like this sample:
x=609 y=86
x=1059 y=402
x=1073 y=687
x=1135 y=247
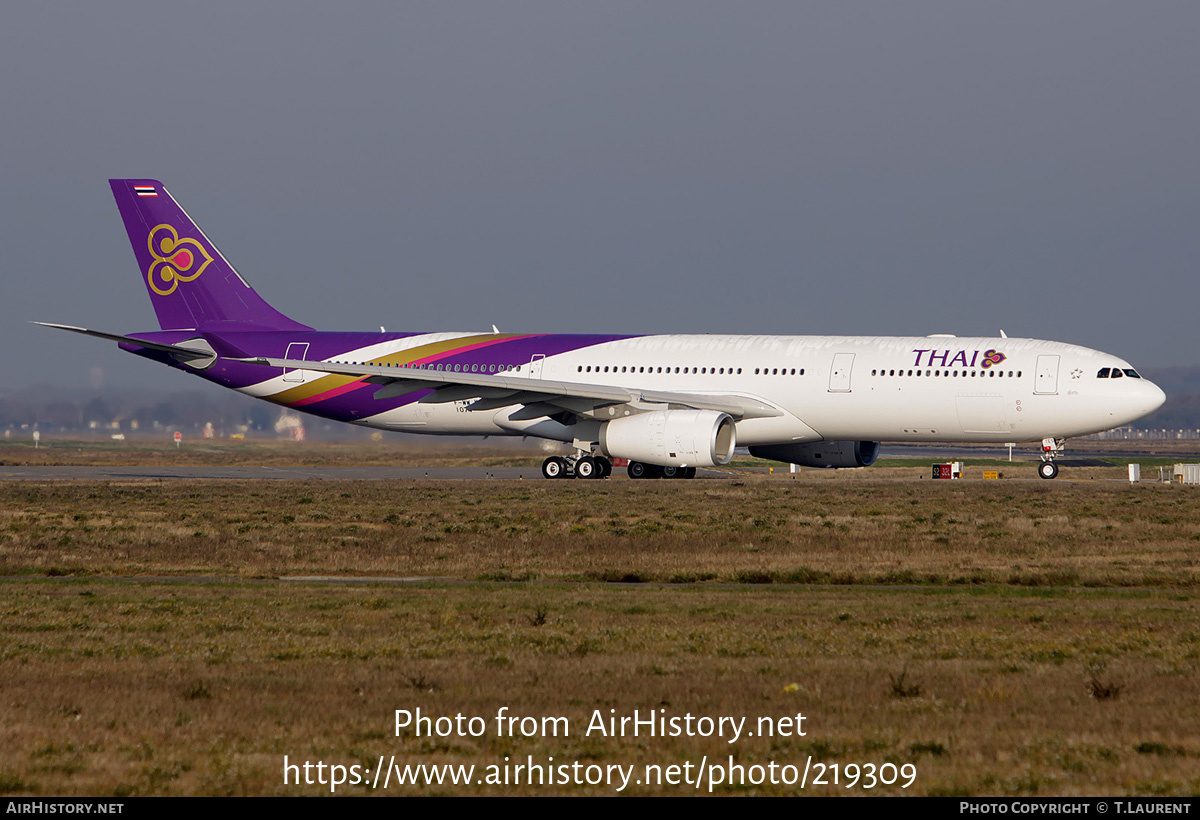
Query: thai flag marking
x=145 y=190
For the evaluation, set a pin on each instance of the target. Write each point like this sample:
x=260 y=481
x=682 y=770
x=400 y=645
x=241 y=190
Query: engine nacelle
x=821 y=453
x=671 y=438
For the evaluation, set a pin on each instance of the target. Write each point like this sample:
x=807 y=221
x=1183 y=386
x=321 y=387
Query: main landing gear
x=577 y=466
x=638 y=469
x=586 y=466
x=1050 y=448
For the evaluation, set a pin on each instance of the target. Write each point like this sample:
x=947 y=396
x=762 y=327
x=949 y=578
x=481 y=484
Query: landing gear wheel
x=604 y=465
x=672 y=472
x=586 y=467
x=554 y=467
x=689 y=472
x=1047 y=469
x=638 y=469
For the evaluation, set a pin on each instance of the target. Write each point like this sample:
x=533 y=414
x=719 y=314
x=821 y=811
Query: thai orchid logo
x=175 y=260
x=991 y=357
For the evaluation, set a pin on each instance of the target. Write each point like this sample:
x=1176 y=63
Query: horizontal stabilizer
x=197 y=353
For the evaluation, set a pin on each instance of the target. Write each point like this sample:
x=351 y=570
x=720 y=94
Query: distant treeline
x=115 y=410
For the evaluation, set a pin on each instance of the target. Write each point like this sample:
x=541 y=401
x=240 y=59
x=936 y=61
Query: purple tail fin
x=190 y=283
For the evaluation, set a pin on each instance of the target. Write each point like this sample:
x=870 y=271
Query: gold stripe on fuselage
x=332 y=382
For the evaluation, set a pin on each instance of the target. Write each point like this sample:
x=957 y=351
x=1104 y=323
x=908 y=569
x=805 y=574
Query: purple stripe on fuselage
x=437 y=357
x=511 y=352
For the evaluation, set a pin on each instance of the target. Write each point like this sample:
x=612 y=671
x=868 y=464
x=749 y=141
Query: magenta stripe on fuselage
x=359 y=383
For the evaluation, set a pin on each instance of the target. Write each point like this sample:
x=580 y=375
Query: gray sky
x=891 y=168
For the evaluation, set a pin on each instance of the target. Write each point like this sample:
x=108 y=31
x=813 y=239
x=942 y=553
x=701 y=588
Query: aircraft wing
x=541 y=397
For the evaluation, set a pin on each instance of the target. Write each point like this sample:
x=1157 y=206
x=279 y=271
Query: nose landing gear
x=1051 y=447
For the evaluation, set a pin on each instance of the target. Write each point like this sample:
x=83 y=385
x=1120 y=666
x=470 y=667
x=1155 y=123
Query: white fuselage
x=827 y=387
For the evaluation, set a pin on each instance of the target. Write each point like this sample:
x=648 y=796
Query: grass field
x=858 y=531
x=1010 y=637
x=153 y=688
x=265 y=452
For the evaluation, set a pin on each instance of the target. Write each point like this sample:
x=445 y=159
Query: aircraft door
x=1047 y=375
x=535 y=365
x=295 y=350
x=839 y=373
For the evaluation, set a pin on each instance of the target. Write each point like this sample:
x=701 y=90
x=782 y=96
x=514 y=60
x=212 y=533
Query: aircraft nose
x=1135 y=399
x=1153 y=397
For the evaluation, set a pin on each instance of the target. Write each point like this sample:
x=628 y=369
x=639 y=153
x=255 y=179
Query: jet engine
x=821 y=453
x=671 y=438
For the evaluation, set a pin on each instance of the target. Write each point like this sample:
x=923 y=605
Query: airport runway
x=310 y=473
x=953 y=452
x=531 y=473
x=317 y=473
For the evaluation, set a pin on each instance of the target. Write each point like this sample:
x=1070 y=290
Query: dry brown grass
x=757 y=531
x=1000 y=608
x=267 y=452
x=114 y=687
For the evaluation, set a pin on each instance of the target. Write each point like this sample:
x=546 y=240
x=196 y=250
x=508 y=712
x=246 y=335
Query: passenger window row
x=456 y=368
x=500 y=368
x=991 y=374
x=714 y=371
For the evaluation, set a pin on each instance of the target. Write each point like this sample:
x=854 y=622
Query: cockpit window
x=1103 y=374
x=1116 y=373
x=1133 y=374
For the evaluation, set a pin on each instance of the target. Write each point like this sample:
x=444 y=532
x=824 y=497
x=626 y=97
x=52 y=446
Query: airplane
x=668 y=404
